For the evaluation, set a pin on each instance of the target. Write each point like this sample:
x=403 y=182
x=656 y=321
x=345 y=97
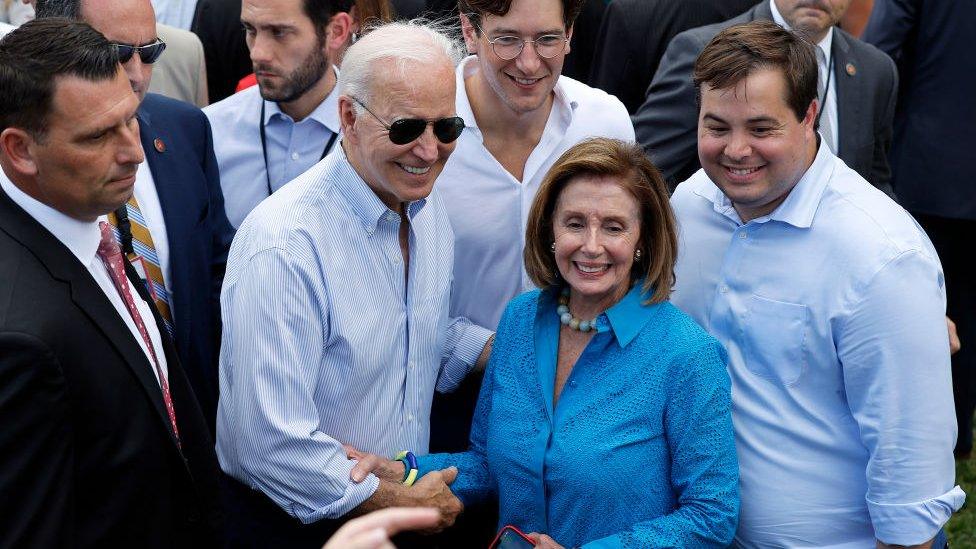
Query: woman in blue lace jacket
x=604 y=416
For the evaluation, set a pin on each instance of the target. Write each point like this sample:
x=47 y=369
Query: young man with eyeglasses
x=335 y=307
x=173 y=230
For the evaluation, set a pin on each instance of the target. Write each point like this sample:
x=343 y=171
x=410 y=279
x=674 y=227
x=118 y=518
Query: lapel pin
x=161 y=147
x=851 y=69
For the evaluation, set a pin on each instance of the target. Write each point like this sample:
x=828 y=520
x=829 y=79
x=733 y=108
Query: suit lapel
x=85 y=293
x=850 y=96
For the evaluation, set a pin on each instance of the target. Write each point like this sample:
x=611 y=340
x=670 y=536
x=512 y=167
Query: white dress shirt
x=830 y=104
x=489 y=207
x=293 y=147
x=832 y=310
x=82 y=239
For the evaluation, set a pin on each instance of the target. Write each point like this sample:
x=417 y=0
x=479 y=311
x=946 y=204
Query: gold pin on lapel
x=851 y=69
x=161 y=147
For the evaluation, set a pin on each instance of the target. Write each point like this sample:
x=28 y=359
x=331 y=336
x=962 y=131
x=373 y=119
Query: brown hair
x=373 y=12
x=476 y=9
x=739 y=50
x=601 y=156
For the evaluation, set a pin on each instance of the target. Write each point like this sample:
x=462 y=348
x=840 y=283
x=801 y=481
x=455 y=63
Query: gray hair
x=400 y=42
x=57 y=8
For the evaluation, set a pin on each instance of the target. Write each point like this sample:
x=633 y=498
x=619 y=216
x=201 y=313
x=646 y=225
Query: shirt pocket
x=774 y=339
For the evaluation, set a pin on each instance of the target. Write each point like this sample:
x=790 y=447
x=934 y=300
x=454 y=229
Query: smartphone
x=511 y=537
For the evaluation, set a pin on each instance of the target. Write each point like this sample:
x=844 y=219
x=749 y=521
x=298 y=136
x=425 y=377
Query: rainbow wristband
x=409 y=467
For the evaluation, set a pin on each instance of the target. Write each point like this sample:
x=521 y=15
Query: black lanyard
x=264 y=148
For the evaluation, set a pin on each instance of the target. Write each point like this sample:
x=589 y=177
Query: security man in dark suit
x=176 y=232
x=861 y=78
x=103 y=444
x=931 y=42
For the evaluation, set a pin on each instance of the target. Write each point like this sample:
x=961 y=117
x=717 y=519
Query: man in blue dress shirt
x=830 y=300
x=269 y=134
x=336 y=307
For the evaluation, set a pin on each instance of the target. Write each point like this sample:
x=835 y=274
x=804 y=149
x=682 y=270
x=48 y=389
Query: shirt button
x=409 y=417
x=294 y=156
x=725 y=289
x=743 y=235
x=411 y=365
x=572 y=383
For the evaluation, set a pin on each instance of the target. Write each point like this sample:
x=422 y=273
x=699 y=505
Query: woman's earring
x=637 y=255
x=553 y=247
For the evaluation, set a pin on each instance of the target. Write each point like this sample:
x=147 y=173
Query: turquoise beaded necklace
x=567 y=318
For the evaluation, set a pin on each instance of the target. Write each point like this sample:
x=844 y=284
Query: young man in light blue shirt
x=830 y=300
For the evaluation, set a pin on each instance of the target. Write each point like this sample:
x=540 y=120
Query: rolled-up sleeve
x=268 y=433
x=462 y=347
x=894 y=349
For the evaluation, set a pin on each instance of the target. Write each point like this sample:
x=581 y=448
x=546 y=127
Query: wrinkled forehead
x=413 y=86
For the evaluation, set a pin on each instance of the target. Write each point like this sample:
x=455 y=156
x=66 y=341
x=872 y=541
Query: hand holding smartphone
x=511 y=537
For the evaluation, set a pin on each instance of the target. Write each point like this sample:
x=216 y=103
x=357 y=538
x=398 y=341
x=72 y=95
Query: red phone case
x=515 y=531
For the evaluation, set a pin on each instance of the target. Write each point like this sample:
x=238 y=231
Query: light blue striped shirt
x=324 y=343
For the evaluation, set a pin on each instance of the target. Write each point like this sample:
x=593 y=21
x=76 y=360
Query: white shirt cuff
x=914 y=523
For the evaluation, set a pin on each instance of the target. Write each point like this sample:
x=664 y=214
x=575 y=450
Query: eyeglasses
x=406 y=130
x=509 y=47
x=148 y=53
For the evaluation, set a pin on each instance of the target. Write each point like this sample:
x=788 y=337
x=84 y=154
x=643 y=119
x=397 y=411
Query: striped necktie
x=142 y=248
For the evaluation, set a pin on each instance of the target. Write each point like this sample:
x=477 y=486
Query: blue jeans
x=941 y=541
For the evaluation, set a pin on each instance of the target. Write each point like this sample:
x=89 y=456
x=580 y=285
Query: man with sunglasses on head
x=335 y=307
x=173 y=230
x=269 y=134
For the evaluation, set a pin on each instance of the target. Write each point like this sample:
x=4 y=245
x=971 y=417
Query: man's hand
x=954 y=343
x=386 y=469
x=373 y=531
x=544 y=541
x=433 y=490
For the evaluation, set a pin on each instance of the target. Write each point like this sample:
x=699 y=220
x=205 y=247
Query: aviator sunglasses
x=406 y=130
x=148 y=53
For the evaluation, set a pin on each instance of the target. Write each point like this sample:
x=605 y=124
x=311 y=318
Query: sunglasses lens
x=405 y=130
x=125 y=52
x=151 y=53
x=448 y=130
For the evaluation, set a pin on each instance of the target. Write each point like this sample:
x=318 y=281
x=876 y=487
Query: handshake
x=432 y=490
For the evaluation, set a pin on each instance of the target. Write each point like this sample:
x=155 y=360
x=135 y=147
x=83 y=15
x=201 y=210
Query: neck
x=747 y=214
x=589 y=307
x=311 y=99
x=496 y=117
x=387 y=199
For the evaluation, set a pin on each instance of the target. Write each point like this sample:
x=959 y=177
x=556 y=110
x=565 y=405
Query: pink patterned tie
x=111 y=254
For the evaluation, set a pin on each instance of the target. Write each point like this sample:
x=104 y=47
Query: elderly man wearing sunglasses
x=335 y=308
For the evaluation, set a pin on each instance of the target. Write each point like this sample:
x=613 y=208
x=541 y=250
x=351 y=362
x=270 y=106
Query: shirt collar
x=364 y=203
x=629 y=315
x=326 y=114
x=564 y=104
x=781 y=21
x=800 y=205
x=80 y=237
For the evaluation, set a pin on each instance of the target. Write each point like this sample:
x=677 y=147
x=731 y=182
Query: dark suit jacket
x=87 y=454
x=188 y=186
x=666 y=124
x=931 y=41
x=218 y=25
x=635 y=33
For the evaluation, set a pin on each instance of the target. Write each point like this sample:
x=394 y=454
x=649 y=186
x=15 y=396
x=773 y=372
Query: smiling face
x=86 y=162
x=523 y=84
x=400 y=173
x=750 y=143
x=597 y=228
x=812 y=17
x=287 y=54
x=137 y=28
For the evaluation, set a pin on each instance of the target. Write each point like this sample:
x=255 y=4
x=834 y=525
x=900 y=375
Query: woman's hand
x=386 y=469
x=544 y=541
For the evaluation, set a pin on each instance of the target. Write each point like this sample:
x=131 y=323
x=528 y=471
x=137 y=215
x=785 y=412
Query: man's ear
x=337 y=32
x=18 y=147
x=569 y=39
x=810 y=118
x=347 y=118
x=470 y=34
